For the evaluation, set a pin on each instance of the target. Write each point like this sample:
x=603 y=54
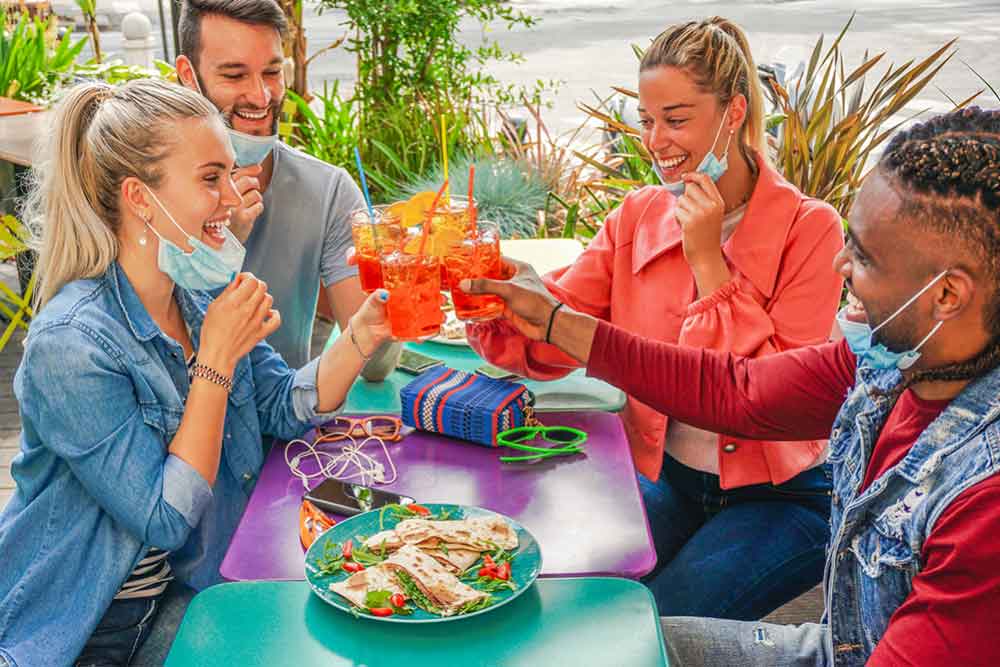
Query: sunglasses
x=566 y=440
x=386 y=428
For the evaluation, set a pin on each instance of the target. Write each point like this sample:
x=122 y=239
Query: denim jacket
x=877 y=536
x=102 y=391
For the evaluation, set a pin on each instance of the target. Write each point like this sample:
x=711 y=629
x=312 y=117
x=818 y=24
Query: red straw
x=430 y=216
x=472 y=202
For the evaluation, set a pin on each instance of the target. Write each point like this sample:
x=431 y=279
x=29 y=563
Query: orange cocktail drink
x=476 y=255
x=372 y=239
x=413 y=280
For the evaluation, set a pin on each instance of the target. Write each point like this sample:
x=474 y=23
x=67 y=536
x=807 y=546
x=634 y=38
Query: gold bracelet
x=208 y=373
x=350 y=330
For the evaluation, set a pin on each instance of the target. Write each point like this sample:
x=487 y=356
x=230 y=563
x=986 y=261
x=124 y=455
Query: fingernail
x=465 y=285
x=383 y=295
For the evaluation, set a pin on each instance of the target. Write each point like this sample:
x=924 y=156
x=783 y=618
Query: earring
x=143 y=240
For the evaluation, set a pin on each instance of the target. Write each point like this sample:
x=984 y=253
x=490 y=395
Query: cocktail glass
x=371 y=240
x=476 y=255
x=413 y=280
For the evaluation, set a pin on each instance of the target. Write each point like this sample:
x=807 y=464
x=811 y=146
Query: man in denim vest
x=912 y=573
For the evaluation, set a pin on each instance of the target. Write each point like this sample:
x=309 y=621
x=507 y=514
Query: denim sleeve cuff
x=185 y=489
x=305 y=395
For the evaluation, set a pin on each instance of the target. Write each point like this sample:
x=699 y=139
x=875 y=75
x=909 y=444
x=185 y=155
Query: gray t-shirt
x=300 y=239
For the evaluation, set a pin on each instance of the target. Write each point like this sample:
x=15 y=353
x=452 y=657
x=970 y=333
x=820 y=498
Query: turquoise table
x=574 y=393
x=580 y=622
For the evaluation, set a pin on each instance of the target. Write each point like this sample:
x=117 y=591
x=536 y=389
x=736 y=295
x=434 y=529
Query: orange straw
x=430 y=216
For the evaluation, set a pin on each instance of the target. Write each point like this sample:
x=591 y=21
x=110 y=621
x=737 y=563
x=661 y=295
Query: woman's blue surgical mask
x=859 y=338
x=204 y=268
x=709 y=165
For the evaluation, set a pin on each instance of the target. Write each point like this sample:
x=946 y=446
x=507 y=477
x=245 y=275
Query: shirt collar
x=138 y=318
x=755 y=248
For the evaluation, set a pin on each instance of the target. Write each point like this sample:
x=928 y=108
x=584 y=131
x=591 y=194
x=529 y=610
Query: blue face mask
x=250 y=149
x=859 y=338
x=710 y=165
x=204 y=268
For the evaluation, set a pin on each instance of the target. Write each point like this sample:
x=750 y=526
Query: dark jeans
x=739 y=553
x=124 y=626
x=137 y=632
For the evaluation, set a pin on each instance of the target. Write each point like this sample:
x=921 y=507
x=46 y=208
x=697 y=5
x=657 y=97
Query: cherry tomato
x=348 y=549
x=503 y=572
x=487 y=571
x=397 y=600
x=418 y=509
x=488 y=561
x=380 y=611
x=351 y=566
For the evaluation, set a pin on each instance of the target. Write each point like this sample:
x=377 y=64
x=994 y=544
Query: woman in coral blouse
x=727 y=256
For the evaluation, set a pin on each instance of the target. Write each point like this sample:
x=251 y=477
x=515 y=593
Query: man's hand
x=247 y=181
x=528 y=304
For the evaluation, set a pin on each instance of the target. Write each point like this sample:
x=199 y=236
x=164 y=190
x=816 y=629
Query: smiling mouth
x=670 y=164
x=253 y=115
x=213 y=231
x=855 y=310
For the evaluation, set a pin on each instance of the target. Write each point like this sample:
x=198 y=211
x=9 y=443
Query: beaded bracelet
x=208 y=373
x=350 y=329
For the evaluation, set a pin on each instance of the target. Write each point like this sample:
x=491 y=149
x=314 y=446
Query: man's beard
x=227 y=114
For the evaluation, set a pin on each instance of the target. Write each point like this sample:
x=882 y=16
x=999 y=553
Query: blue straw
x=364 y=183
x=368 y=197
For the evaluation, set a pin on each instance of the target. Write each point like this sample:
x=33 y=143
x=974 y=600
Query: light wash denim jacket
x=102 y=392
x=878 y=535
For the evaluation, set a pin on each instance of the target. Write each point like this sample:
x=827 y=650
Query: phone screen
x=415 y=362
x=346 y=498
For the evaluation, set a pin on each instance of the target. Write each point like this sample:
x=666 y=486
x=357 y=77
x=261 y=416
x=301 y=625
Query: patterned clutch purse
x=465 y=405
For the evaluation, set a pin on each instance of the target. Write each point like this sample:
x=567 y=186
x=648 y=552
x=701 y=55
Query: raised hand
x=527 y=302
x=371 y=322
x=247 y=182
x=239 y=318
x=699 y=212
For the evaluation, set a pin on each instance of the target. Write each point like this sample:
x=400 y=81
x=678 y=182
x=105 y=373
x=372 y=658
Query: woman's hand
x=699 y=212
x=239 y=318
x=528 y=304
x=371 y=323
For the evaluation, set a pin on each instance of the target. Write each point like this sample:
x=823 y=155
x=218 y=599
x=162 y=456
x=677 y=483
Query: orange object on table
x=12 y=107
x=313 y=522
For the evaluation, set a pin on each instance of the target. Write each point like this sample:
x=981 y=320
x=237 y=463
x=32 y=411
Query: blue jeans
x=738 y=553
x=714 y=642
x=136 y=632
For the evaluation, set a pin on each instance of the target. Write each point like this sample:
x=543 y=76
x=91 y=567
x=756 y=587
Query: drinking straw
x=472 y=202
x=368 y=199
x=444 y=150
x=425 y=232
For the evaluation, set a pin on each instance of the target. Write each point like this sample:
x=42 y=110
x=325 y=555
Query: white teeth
x=252 y=116
x=670 y=163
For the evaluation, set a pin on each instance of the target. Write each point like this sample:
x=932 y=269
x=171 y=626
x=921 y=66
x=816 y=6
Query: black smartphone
x=348 y=499
x=486 y=370
x=415 y=363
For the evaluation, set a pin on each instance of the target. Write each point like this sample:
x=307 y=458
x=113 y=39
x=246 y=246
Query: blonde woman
x=725 y=255
x=143 y=402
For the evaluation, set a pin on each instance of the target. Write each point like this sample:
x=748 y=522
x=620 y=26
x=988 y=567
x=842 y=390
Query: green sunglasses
x=569 y=441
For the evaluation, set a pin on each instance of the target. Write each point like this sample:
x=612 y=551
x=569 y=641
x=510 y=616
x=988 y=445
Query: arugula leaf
x=377 y=599
x=444 y=548
x=491 y=585
x=414 y=593
x=331 y=560
x=476 y=605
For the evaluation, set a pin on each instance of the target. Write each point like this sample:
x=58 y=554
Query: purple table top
x=585 y=511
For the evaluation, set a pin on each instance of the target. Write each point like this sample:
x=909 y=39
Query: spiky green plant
x=507 y=192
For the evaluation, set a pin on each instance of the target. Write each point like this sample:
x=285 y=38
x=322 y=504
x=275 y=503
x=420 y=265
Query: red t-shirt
x=950 y=616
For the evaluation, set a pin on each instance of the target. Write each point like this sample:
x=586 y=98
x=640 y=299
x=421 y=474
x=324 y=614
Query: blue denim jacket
x=878 y=535
x=102 y=392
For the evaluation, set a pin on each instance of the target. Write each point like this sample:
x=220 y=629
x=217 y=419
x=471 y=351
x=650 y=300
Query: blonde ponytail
x=100 y=136
x=716 y=53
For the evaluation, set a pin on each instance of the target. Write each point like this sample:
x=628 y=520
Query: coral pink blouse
x=784 y=293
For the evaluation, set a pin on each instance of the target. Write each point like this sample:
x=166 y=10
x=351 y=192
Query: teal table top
x=581 y=622
x=574 y=393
